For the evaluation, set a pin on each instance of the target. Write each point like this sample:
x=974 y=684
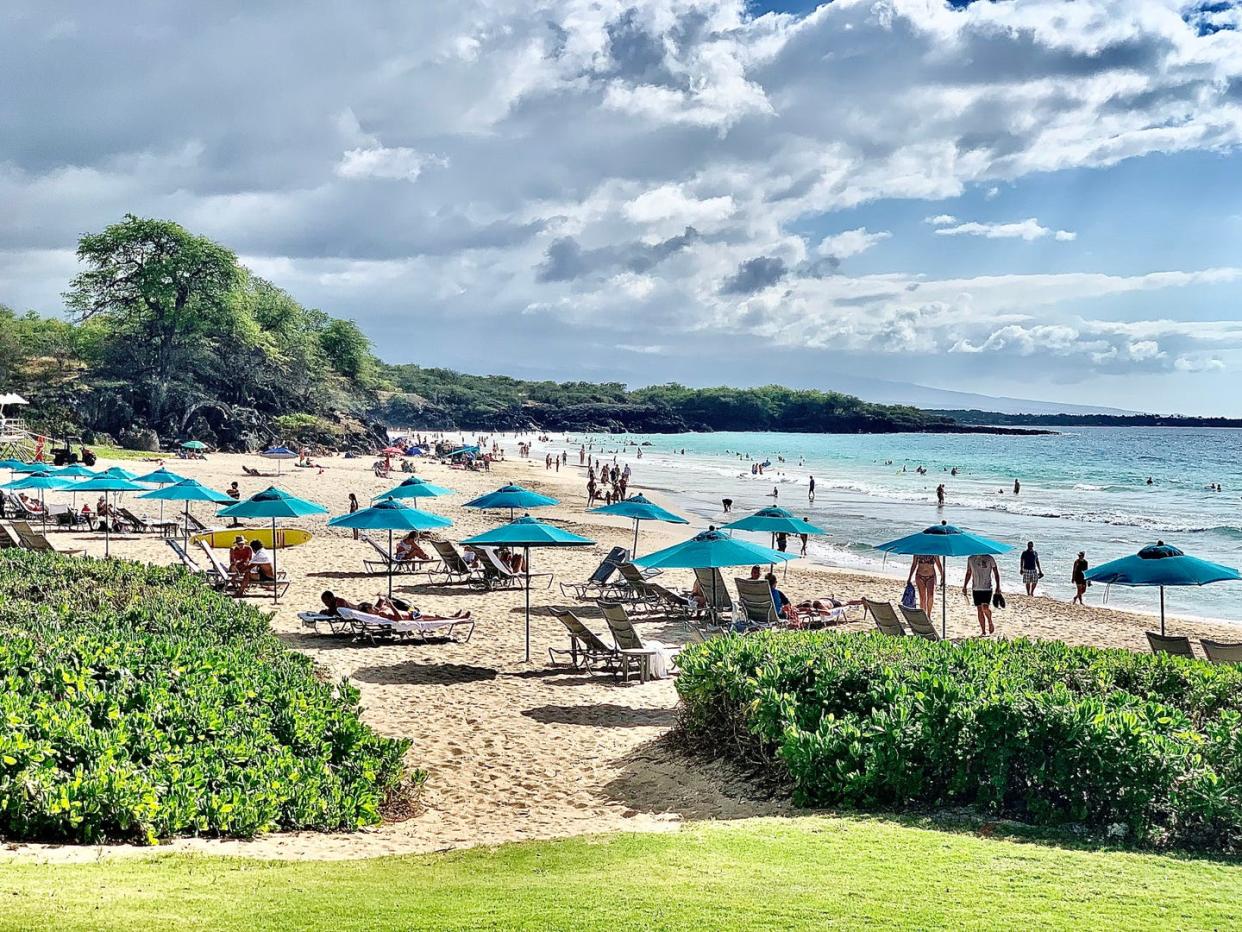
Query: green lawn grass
x=808 y=872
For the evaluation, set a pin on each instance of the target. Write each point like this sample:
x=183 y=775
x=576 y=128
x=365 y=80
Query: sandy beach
x=514 y=750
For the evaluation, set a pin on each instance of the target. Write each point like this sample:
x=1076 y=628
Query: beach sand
x=514 y=750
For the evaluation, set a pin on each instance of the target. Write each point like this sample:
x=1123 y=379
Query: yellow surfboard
x=285 y=537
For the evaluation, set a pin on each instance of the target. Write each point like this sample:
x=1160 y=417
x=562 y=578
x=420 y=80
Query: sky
x=1038 y=199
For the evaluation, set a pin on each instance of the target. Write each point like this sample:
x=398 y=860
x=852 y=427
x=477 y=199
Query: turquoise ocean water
x=1082 y=489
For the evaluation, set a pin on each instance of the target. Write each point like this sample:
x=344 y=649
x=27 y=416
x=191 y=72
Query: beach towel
x=909 y=597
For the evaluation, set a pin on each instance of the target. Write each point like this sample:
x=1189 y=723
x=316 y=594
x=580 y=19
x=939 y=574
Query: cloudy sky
x=1031 y=198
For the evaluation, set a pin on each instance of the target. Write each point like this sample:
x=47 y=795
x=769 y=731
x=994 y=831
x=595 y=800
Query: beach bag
x=908 y=598
x=998 y=601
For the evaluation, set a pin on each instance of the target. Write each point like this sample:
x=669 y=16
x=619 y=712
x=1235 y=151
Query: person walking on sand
x=1017 y=486
x=810 y=490
x=924 y=570
x=1079 y=578
x=805 y=540
x=1032 y=572
x=353 y=506
x=981 y=569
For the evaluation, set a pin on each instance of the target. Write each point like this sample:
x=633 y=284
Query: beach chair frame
x=1172 y=644
x=919 y=623
x=1220 y=651
x=587 y=650
x=383 y=565
x=885 y=616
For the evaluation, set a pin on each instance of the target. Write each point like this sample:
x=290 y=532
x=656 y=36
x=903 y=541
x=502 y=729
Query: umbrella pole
x=275 y=575
x=1162 y=611
x=107 y=529
x=944 y=612
x=43 y=505
x=526 y=554
x=390 y=564
x=634 y=553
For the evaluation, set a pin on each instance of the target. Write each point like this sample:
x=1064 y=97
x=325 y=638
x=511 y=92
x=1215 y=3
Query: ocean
x=1081 y=489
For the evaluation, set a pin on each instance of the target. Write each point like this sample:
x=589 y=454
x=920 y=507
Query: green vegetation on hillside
x=803 y=873
x=440 y=397
x=171 y=335
x=138 y=704
x=1142 y=747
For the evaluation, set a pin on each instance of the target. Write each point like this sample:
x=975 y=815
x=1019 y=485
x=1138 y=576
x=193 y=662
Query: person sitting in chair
x=259 y=568
x=409 y=549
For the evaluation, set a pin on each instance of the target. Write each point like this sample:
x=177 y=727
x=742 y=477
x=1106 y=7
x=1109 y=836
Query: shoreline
x=517 y=751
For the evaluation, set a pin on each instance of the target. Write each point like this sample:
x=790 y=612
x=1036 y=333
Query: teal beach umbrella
x=944 y=540
x=194 y=445
x=162 y=477
x=187 y=490
x=40 y=482
x=75 y=471
x=527 y=532
x=390 y=515
x=773 y=520
x=637 y=508
x=108 y=485
x=1161 y=565
x=513 y=497
x=117 y=472
x=711 y=549
x=414 y=487
x=273 y=503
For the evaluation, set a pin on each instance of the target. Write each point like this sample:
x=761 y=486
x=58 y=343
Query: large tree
x=163 y=293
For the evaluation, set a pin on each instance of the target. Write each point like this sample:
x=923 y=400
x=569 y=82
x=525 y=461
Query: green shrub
x=1145 y=746
x=138 y=704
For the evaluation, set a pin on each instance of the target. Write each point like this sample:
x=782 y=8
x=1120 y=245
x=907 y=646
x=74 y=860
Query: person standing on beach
x=980 y=571
x=782 y=541
x=353 y=506
x=1079 y=577
x=1017 y=486
x=940 y=495
x=1032 y=572
x=810 y=490
x=805 y=540
x=728 y=504
x=924 y=570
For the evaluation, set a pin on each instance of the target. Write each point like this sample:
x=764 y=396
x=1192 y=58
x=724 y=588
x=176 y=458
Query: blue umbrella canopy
x=774 y=520
x=30 y=467
x=279 y=453
x=187 y=490
x=414 y=487
x=527 y=532
x=75 y=471
x=273 y=503
x=638 y=508
x=37 y=480
x=944 y=540
x=118 y=473
x=107 y=483
x=194 y=445
x=711 y=550
x=511 y=497
x=464 y=451
x=161 y=477
x=1161 y=565
x=13 y=465
x=391 y=515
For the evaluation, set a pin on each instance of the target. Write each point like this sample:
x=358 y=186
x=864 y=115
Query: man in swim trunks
x=1032 y=572
x=981 y=569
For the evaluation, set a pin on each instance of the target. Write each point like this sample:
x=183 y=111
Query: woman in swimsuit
x=923 y=572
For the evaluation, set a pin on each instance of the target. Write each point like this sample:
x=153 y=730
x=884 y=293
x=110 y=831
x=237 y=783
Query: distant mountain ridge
x=882 y=391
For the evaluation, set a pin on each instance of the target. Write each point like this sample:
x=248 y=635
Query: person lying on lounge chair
x=826 y=605
x=332 y=602
x=408 y=548
x=511 y=559
x=386 y=609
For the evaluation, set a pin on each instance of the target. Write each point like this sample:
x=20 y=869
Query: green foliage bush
x=1146 y=747
x=138 y=704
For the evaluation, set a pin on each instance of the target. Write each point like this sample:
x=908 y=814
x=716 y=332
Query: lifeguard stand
x=16 y=441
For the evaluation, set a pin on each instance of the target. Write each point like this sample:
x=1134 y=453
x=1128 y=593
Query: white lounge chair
x=377 y=626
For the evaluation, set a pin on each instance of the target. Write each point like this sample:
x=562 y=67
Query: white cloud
x=851 y=242
x=671 y=203
x=941 y=220
x=400 y=163
x=1028 y=229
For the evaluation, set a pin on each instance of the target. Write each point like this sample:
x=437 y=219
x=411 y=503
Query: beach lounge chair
x=668 y=602
x=597 y=585
x=33 y=540
x=334 y=623
x=654 y=659
x=587 y=650
x=143 y=525
x=374 y=627
x=919 y=623
x=16 y=508
x=496 y=575
x=635 y=588
x=453 y=566
x=223 y=577
x=382 y=564
x=885 y=618
x=1170 y=644
x=185 y=559
x=7 y=539
x=713 y=585
x=755 y=598
x=1218 y=652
